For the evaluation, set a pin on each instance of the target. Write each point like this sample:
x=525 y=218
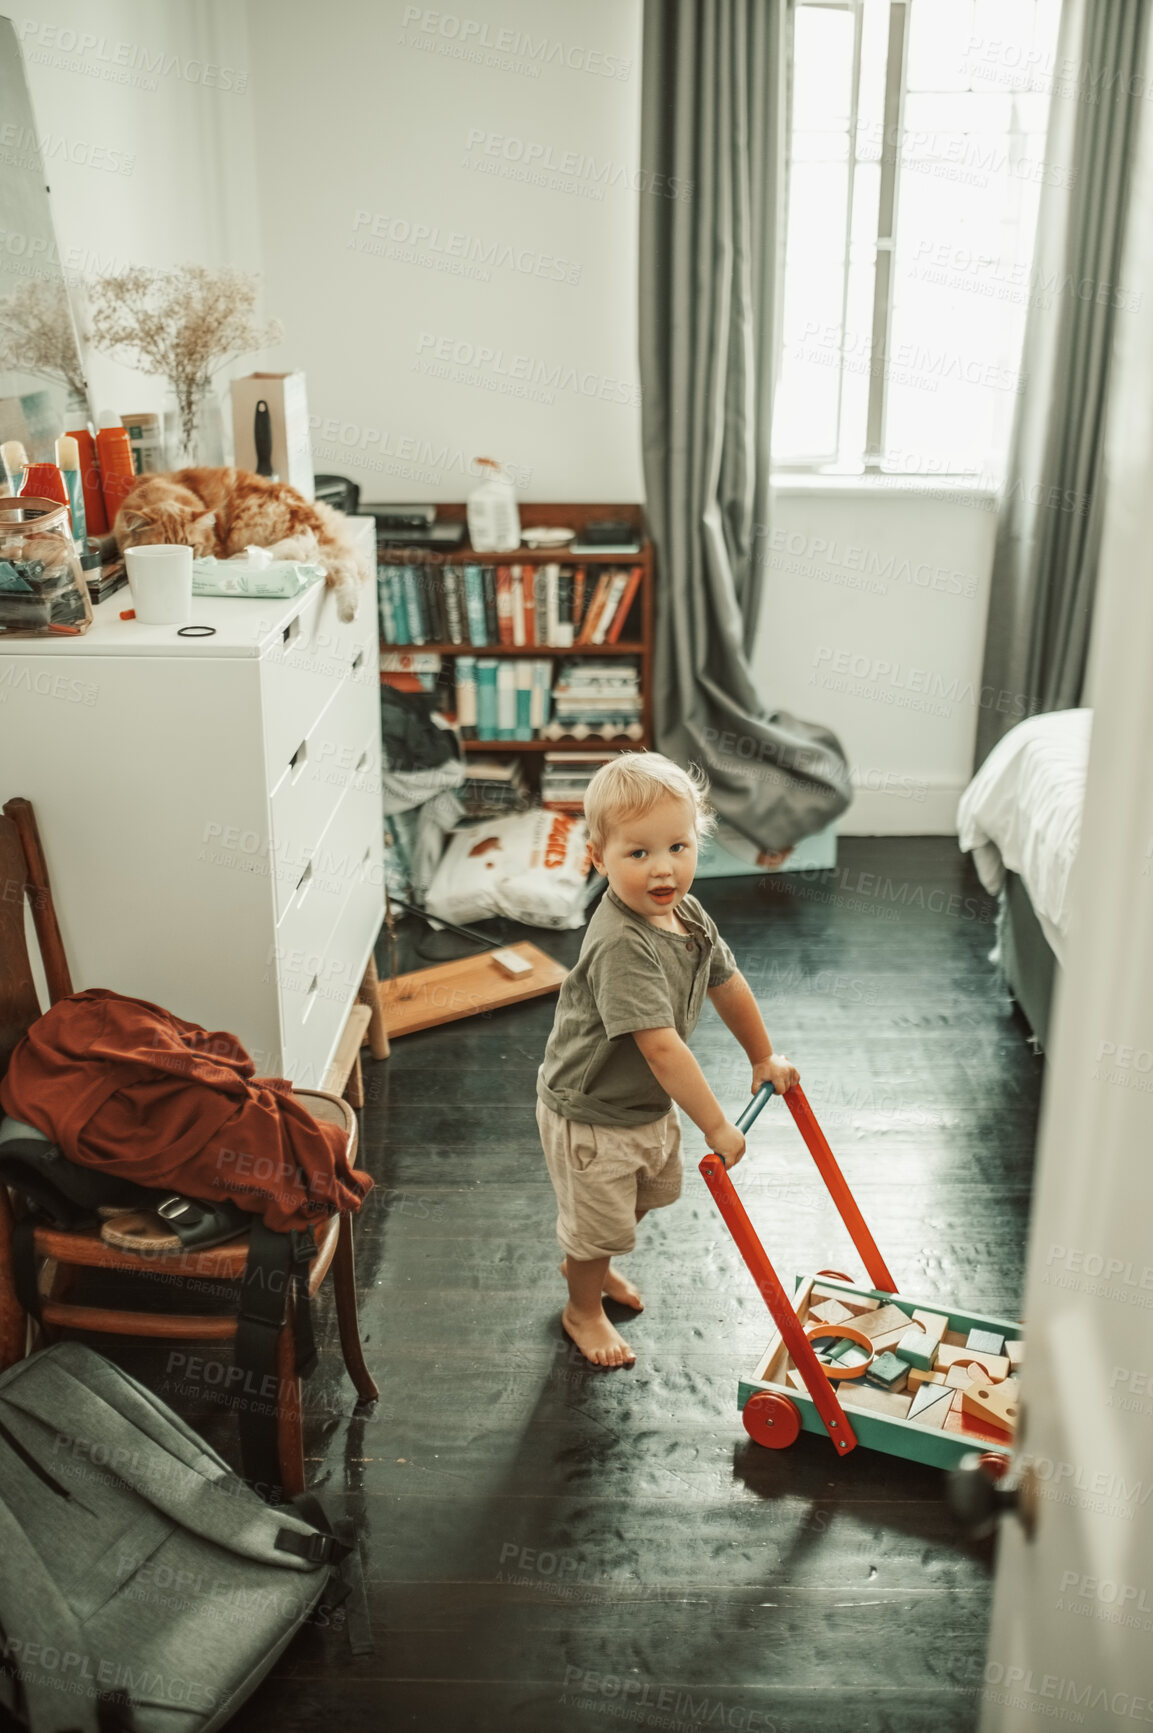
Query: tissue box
x=287 y=402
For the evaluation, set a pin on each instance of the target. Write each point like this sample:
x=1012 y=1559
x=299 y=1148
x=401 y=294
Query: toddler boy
x=616 y=1061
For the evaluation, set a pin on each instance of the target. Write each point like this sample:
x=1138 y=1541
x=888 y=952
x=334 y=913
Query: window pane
x=808 y=388
x=970 y=171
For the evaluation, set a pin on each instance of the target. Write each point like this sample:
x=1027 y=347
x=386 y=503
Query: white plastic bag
x=532 y=866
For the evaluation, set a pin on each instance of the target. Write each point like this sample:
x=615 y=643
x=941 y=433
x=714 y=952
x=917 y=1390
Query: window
x=915 y=174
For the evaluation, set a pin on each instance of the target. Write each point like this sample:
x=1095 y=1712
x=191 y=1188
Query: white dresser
x=210 y=811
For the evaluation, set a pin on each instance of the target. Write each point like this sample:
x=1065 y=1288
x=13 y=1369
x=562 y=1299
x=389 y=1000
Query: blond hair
x=631 y=784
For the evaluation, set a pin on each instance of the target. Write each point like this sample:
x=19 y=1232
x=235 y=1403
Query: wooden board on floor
x=463 y=988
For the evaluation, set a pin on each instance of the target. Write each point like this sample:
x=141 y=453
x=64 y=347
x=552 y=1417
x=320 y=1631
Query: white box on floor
x=715 y=860
x=287 y=401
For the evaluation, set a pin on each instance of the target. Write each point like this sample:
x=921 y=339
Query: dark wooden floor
x=549 y=1547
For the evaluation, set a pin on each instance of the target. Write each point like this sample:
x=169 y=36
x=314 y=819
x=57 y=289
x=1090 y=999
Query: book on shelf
x=624 y=606
x=410 y=662
x=524 y=679
x=466 y=696
x=541 y=705
x=504 y=605
x=595 y=608
x=493 y=786
x=506 y=701
x=516 y=606
x=528 y=591
x=487 y=722
x=413 y=610
x=564 y=607
x=453 y=604
x=474 y=603
x=491 y=624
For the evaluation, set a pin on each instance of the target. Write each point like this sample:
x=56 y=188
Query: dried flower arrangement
x=37 y=335
x=184 y=324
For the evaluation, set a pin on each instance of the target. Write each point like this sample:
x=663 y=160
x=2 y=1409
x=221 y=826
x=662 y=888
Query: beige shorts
x=604 y=1174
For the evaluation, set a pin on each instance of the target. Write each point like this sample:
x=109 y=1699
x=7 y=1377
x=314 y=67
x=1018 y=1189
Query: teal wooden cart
x=775 y=1407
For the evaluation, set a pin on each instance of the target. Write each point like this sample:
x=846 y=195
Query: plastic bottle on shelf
x=117 y=472
x=493 y=518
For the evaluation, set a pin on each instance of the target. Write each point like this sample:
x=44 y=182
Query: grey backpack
x=143 y=1585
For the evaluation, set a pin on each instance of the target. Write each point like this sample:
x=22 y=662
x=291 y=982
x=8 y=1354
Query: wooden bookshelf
x=640 y=622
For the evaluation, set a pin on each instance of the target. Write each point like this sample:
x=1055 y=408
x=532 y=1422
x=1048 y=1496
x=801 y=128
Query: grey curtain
x=1049 y=526
x=714 y=131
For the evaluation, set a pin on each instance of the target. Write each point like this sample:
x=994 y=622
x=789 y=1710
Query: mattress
x=1022 y=813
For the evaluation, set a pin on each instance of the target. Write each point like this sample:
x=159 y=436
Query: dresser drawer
x=317 y=896
x=317 y=991
x=338 y=752
x=301 y=675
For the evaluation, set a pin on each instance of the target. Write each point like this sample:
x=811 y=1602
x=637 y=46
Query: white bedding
x=1022 y=813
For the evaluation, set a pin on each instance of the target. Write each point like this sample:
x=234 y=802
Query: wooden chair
x=23 y=873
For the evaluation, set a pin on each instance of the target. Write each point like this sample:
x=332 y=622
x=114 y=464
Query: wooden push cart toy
x=868 y=1365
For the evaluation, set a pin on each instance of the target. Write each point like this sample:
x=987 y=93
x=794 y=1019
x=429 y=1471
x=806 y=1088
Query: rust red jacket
x=127 y=1087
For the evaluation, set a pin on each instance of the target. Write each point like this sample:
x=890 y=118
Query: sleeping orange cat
x=224 y=511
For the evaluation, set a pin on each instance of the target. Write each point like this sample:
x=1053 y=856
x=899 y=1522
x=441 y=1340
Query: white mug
x=160 y=578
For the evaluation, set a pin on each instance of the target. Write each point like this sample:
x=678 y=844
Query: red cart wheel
x=771 y=1420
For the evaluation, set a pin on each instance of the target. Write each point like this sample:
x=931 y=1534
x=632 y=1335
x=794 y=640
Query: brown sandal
x=177 y=1224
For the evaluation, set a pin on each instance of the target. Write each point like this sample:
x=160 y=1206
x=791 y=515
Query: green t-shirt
x=630 y=975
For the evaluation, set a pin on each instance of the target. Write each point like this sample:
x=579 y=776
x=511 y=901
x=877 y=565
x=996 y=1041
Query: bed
x=1021 y=819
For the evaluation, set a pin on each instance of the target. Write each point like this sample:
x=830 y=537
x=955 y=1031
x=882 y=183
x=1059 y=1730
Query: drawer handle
x=310 y=995
x=296 y=762
x=358 y=662
x=291 y=631
x=362 y=761
x=303 y=883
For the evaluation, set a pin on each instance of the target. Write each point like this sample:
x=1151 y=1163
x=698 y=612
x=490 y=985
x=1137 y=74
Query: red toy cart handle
x=715 y=1176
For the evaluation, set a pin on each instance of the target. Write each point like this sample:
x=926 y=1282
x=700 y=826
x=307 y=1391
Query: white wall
x=144 y=113
x=391 y=157
x=874 y=623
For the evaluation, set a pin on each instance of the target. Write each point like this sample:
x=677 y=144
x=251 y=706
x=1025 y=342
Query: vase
x=193 y=430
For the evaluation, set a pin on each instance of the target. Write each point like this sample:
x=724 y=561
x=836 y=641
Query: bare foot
x=596 y=1339
x=616 y=1287
x=773 y=857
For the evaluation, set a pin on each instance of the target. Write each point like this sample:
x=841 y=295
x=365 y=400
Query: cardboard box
x=287 y=402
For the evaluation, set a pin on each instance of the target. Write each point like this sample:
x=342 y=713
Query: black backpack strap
x=24 y=1276
x=335 y=1542
x=263 y=1297
x=277 y=1265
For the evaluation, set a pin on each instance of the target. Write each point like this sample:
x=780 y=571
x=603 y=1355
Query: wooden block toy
x=954 y=1338
x=1014 y=1353
x=889 y=1372
x=894 y=1403
x=931 y=1405
x=972 y=1427
x=830 y=1312
x=918 y=1377
x=512 y=964
x=854 y=1301
x=960 y=1377
x=996 y=1404
x=887 y=1341
x=985 y=1342
x=934 y=1324
x=795 y=1379
x=847 y=1353
x=883 y=1322
x=917 y=1348
x=996 y=1365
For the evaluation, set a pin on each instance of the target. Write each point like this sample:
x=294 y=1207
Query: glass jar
x=42 y=588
